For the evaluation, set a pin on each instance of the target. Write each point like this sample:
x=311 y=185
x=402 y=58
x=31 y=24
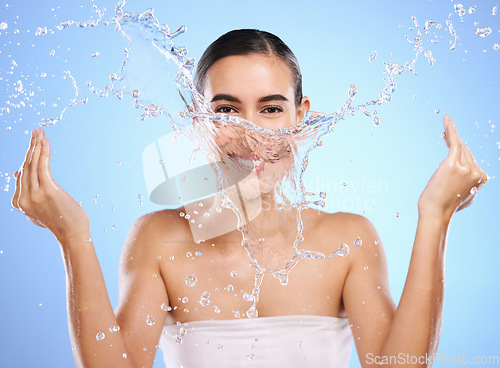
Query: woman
x=252 y=75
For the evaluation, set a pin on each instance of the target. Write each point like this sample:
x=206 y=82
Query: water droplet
x=205 y=294
x=248 y=297
x=177 y=339
x=319 y=203
x=376 y=242
x=358 y=242
x=428 y=24
x=376 y=121
x=41 y=31
x=342 y=251
x=460 y=9
x=372 y=57
x=496 y=46
x=189 y=254
x=252 y=312
x=52 y=52
x=397 y=214
x=216 y=309
x=494 y=10
x=114 y=329
x=135 y=93
x=150 y=320
x=166 y=308
x=230 y=288
x=204 y=302
x=365 y=268
x=473 y=190
x=220 y=347
x=251 y=356
x=483 y=32
x=234 y=273
x=352 y=91
x=185 y=299
x=124 y=355
x=113 y=227
x=437 y=111
x=95 y=54
x=198 y=254
x=100 y=336
x=88 y=240
x=191 y=280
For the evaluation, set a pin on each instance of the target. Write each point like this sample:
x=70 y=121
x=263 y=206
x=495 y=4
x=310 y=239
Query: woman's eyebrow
x=223 y=96
x=276 y=97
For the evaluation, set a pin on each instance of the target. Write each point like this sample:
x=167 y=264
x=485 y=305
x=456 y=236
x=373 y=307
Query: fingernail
x=33 y=133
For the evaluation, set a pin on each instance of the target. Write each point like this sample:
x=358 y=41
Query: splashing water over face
x=251 y=163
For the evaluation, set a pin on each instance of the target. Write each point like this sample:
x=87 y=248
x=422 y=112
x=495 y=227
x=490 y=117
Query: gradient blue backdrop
x=97 y=148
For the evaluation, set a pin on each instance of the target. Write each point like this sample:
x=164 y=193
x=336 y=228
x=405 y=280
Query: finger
x=452 y=136
x=477 y=173
x=44 y=174
x=445 y=139
x=35 y=158
x=15 y=197
x=25 y=166
x=484 y=178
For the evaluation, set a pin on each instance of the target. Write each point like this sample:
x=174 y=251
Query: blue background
x=97 y=148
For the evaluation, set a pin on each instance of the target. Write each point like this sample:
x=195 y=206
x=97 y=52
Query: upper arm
x=366 y=293
x=142 y=291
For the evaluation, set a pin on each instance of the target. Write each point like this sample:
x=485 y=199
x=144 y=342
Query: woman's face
x=260 y=89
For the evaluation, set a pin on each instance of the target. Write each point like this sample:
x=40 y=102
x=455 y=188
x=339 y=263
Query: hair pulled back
x=245 y=42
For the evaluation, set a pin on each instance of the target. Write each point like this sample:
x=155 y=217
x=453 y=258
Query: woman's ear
x=305 y=105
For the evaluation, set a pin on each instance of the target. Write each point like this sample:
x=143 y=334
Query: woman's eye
x=273 y=110
x=225 y=109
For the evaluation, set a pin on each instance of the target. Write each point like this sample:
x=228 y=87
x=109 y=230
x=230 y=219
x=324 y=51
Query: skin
x=355 y=286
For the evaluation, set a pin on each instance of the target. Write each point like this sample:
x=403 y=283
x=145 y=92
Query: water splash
x=254 y=147
x=483 y=32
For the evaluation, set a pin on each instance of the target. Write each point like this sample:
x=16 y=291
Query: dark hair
x=244 y=42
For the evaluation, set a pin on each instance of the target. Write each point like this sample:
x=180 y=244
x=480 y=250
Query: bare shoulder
x=343 y=224
x=151 y=231
x=342 y=228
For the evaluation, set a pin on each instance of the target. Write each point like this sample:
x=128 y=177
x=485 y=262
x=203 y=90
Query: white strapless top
x=284 y=341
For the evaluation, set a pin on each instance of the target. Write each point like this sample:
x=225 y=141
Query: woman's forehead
x=256 y=71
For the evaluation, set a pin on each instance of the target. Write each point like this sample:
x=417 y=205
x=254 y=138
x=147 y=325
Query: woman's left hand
x=455 y=183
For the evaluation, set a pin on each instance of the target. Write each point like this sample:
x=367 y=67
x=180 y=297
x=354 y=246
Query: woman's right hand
x=41 y=199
